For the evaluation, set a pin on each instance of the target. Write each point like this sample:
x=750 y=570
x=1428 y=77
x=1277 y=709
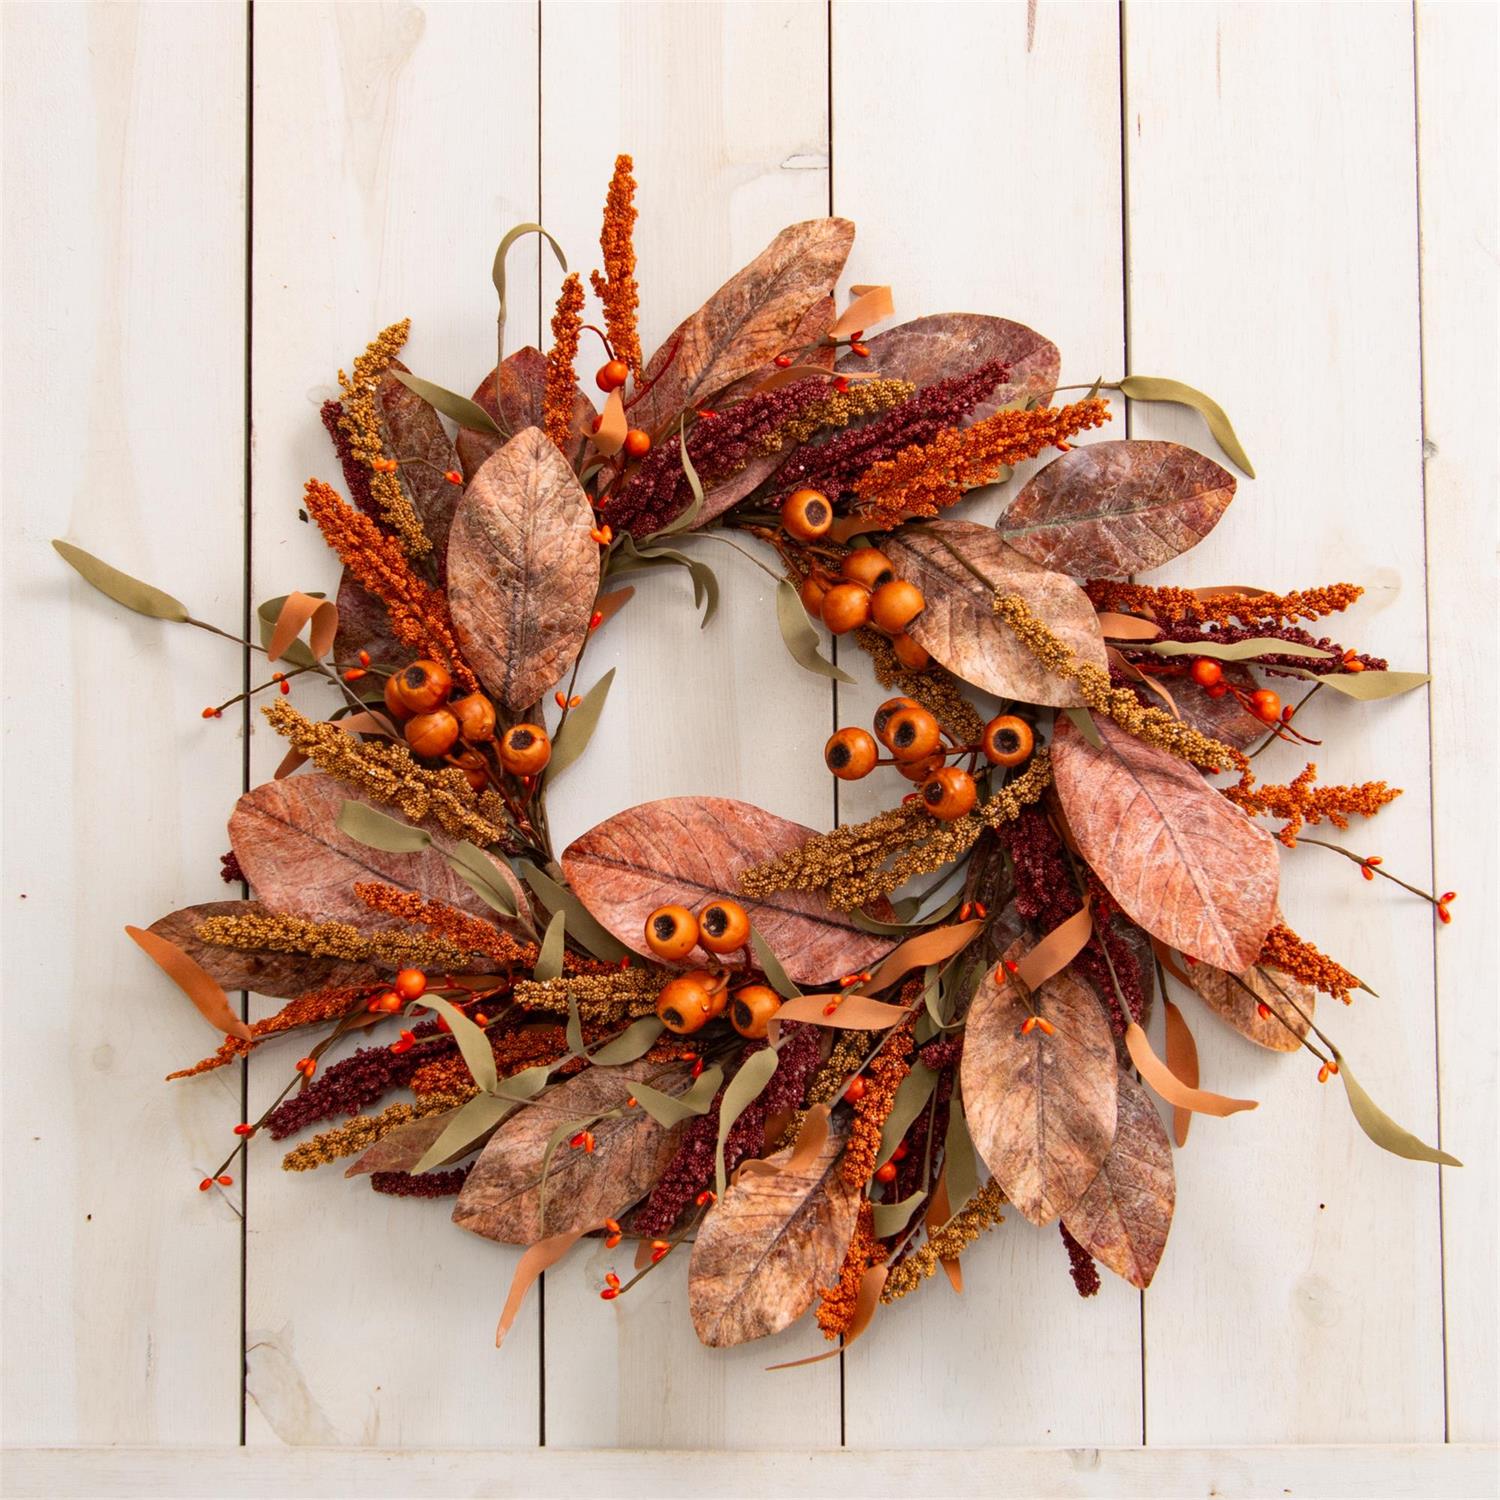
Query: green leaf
x=635 y=1041
x=582 y=923
x=360 y=822
x=472 y=1043
x=744 y=1089
x=480 y=875
x=932 y=994
x=1232 y=651
x=574 y=1030
x=776 y=976
x=457 y=408
x=892 y=1218
x=911 y=1099
x=1366 y=686
x=549 y=962
x=525 y=1085
x=916 y=917
x=694 y=507
x=298 y=653
x=628 y=558
x=669 y=1109
x=578 y=728
x=1382 y=1129
x=1154 y=388
x=958 y=1157
x=497 y=272
x=470 y=1124
x=121 y=587
x=800 y=637
x=1083 y=722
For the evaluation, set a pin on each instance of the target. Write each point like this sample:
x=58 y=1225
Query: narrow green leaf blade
x=628 y=558
x=911 y=1099
x=744 y=1089
x=892 y=1218
x=578 y=728
x=669 y=1109
x=362 y=823
x=470 y=865
x=801 y=639
x=771 y=966
x=549 y=960
x=959 y=1160
x=497 y=271
x=1155 y=388
x=1232 y=650
x=457 y=408
x=1382 y=1129
x=635 y=1041
x=470 y=1124
x=691 y=511
x=1366 y=686
x=143 y=598
x=472 y=1043
x=574 y=1030
x=1083 y=722
x=581 y=923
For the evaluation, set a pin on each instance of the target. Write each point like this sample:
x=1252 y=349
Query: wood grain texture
x=769 y=1244
x=522 y=569
x=1109 y=510
x=1041 y=1106
x=959 y=627
x=684 y=851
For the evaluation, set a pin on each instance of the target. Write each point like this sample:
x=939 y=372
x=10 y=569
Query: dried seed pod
x=432 y=734
x=850 y=754
x=423 y=686
x=671 y=932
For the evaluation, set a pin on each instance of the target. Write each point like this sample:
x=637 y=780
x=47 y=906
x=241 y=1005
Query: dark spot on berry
x=816 y=512
x=1007 y=742
x=521 y=739
x=933 y=792
x=664 y=927
x=741 y=1013
x=838 y=756
x=905 y=733
x=714 y=921
x=414 y=677
x=672 y=1016
x=882 y=718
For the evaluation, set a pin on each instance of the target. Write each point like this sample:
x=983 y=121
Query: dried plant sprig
x=614 y=996
x=934 y=687
x=1299 y=802
x=1294 y=955
x=1338 y=658
x=471 y=935
x=923 y=479
x=834 y=409
x=386 y=771
x=1081 y=1265
x=980 y=1213
x=361 y=425
x=882 y=1078
x=562 y=383
x=353 y=1136
x=838 y=1303
x=418 y=612
x=306 y=1010
x=278 y=932
x=513 y=1052
x=616 y=289
x=1177 y=604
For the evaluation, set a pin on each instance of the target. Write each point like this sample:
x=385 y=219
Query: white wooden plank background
x=208 y=208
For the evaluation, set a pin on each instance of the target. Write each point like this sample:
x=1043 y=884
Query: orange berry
x=671 y=932
x=411 y=984
x=885 y=711
x=432 y=734
x=610 y=1292
x=783 y=361
x=689 y=1002
x=911 y=656
x=224 y=1180
x=751 y=1009
x=423 y=686
x=244 y=1130
x=811 y=593
x=1206 y=671
x=1007 y=740
x=894 y=605
x=393 y=704
x=525 y=749
x=806 y=514
x=919 y=770
x=887 y=1173
x=352 y=674
x=856 y=1090
x=912 y=734
x=723 y=926
x=637 y=442
x=612 y=375
x=387 y=1003
x=869 y=566
x=453 y=476
x=850 y=754
x=476 y=717
x=949 y=794
x=846 y=607
x=1265 y=705
x=204 y=1186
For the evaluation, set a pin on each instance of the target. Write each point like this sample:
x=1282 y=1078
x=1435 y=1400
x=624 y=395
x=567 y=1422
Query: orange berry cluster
x=919 y=751
x=690 y=1001
x=1263 y=703
x=611 y=376
x=410 y=984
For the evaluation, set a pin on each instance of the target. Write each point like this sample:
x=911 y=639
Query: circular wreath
x=820 y=1064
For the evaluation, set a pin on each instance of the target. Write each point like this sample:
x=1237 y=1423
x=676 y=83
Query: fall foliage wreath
x=819 y=1064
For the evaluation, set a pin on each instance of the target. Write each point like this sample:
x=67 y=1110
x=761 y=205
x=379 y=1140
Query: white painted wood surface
x=1257 y=235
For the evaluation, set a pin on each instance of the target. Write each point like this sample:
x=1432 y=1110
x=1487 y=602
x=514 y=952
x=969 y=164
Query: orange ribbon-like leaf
x=1182 y=1059
x=544 y=1253
x=193 y=980
x=295 y=613
x=613 y=425
x=1057 y=950
x=871 y=305
x=1173 y=1089
x=931 y=947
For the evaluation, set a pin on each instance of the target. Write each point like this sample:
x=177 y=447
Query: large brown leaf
x=1222 y=718
x=1229 y=1001
x=764 y=1251
x=280 y=975
x=749 y=320
x=946 y=344
x=686 y=850
x=364 y=625
x=1183 y=862
x=1041 y=1108
x=1123 y=1218
x=1107 y=510
x=286 y=837
x=522 y=569
x=518 y=404
x=959 y=627
x=502 y=1197
x=415 y=436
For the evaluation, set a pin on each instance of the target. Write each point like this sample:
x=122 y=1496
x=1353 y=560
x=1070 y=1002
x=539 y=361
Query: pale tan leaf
x=1227 y=997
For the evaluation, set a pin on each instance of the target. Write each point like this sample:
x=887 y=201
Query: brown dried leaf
x=1107 y=510
x=1221 y=719
x=364 y=625
x=502 y=1197
x=749 y=320
x=522 y=569
x=1229 y=1001
x=523 y=383
x=399 y=1150
x=764 y=1251
x=1123 y=1218
x=1182 y=861
x=959 y=627
x=286 y=837
x=687 y=850
x=416 y=438
x=283 y=976
x=814 y=323
x=946 y=344
x=1040 y=1108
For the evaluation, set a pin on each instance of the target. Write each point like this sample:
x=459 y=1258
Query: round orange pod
x=949 y=793
x=671 y=932
x=811 y=593
x=1265 y=705
x=751 y=1009
x=476 y=717
x=685 y=1004
x=912 y=734
x=423 y=686
x=850 y=754
x=476 y=772
x=637 y=442
x=1206 y=672
x=525 y=749
x=394 y=706
x=885 y=711
x=869 y=566
x=723 y=926
x=806 y=515
x=911 y=656
x=612 y=375
x=894 y=605
x=1007 y=741
x=411 y=984
x=432 y=734
x=846 y=606
x=920 y=770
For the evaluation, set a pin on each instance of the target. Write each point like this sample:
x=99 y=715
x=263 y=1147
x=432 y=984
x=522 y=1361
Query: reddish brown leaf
x=522 y=569
x=502 y=1197
x=364 y=625
x=286 y=837
x=1123 y=1218
x=947 y=344
x=814 y=323
x=1107 y=510
x=416 y=438
x=1183 y=862
x=399 y=1150
x=764 y=1251
x=749 y=320
x=523 y=381
x=959 y=626
x=1281 y=994
x=685 y=851
x=1221 y=719
x=283 y=976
